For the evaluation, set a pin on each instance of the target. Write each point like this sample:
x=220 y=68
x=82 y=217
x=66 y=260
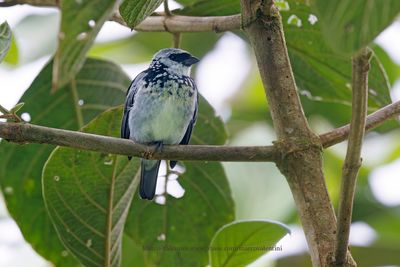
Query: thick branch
x=302 y=168
x=178 y=23
x=28 y=133
x=173 y=24
x=352 y=161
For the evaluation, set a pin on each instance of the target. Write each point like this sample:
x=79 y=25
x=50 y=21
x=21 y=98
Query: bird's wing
x=186 y=138
x=130 y=100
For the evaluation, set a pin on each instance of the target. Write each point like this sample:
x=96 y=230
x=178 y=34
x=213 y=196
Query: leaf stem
x=110 y=212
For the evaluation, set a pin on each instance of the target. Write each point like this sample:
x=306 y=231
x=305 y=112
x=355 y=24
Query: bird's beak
x=190 y=61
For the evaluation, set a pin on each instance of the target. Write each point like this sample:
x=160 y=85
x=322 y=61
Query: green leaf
x=210 y=7
x=322 y=74
x=12 y=56
x=132 y=254
x=186 y=224
x=135 y=11
x=80 y=23
x=392 y=69
x=5 y=39
x=17 y=107
x=349 y=25
x=98 y=86
x=88 y=194
x=240 y=243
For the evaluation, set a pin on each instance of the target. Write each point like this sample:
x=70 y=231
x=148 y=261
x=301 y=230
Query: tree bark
x=302 y=164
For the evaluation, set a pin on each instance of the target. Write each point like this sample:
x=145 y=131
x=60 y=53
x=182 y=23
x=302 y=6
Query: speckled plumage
x=160 y=108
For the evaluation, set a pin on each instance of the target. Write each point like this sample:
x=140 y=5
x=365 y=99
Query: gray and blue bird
x=161 y=108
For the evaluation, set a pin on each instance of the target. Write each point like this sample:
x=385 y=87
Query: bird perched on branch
x=161 y=108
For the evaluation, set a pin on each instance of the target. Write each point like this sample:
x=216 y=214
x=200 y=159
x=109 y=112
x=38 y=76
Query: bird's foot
x=157 y=148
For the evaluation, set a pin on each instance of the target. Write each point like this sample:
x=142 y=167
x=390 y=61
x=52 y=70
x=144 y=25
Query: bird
x=161 y=109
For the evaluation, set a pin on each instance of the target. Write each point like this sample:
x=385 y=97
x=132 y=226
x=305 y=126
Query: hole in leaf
x=91 y=23
x=312 y=19
x=294 y=20
x=26 y=116
x=82 y=36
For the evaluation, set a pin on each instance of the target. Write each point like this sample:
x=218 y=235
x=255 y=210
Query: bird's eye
x=179 y=57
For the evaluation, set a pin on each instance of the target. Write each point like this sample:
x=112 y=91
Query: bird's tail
x=148 y=178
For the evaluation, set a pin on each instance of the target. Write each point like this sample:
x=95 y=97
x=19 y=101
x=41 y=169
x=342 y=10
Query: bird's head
x=175 y=60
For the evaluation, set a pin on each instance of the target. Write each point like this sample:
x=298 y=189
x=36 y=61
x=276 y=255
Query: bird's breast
x=162 y=112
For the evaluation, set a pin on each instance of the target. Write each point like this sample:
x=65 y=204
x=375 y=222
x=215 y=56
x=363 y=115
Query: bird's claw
x=158 y=146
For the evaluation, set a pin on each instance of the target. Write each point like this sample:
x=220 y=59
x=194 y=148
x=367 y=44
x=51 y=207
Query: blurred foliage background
x=258 y=190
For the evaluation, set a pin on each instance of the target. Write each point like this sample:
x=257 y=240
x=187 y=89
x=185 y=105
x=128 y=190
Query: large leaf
x=5 y=39
x=80 y=23
x=178 y=232
x=321 y=74
x=392 y=68
x=98 y=86
x=240 y=243
x=210 y=7
x=88 y=195
x=349 y=25
x=135 y=11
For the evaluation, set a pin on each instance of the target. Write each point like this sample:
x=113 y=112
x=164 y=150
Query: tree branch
x=177 y=23
x=373 y=120
x=28 y=133
x=173 y=24
x=40 y=3
x=302 y=163
x=352 y=161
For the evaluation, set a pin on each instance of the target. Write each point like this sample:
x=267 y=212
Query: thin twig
x=176 y=40
x=167 y=11
x=352 y=161
x=373 y=120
